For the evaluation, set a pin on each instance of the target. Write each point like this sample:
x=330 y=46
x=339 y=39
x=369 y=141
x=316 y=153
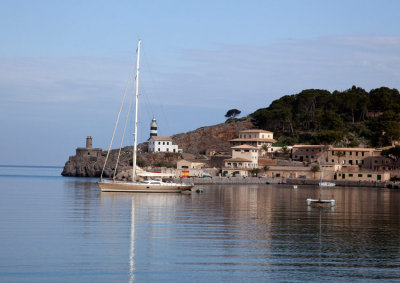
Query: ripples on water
x=63 y=229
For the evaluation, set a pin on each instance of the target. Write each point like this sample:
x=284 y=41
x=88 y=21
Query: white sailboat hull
x=119 y=186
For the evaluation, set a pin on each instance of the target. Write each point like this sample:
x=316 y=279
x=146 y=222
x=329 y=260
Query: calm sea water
x=56 y=229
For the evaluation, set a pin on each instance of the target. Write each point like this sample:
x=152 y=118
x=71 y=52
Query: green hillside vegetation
x=347 y=118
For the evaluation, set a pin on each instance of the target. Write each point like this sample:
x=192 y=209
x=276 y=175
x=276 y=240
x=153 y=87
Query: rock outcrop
x=86 y=164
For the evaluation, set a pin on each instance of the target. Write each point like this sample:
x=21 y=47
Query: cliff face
x=211 y=138
x=89 y=162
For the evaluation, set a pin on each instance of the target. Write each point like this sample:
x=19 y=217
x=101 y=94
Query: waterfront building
x=244 y=158
x=190 y=164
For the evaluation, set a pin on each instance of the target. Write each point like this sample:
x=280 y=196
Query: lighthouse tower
x=153 y=128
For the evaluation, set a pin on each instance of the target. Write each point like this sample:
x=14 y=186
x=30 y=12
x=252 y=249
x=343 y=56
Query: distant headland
x=351 y=122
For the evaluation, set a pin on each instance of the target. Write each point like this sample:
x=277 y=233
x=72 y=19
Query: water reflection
x=233 y=232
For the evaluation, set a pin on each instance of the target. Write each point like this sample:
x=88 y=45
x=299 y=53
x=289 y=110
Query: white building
x=161 y=144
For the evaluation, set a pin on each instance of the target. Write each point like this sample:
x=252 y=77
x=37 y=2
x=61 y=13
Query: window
x=362 y=153
x=159 y=142
x=167 y=143
x=333 y=153
x=163 y=143
x=359 y=175
x=357 y=153
x=229 y=163
x=350 y=175
x=351 y=153
x=369 y=175
x=246 y=150
x=333 y=161
x=158 y=149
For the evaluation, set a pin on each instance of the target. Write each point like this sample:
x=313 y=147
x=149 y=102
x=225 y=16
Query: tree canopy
x=232 y=113
x=347 y=118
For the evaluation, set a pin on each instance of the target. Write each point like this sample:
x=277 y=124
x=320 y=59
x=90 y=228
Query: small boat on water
x=327 y=184
x=146 y=182
x=321 y=201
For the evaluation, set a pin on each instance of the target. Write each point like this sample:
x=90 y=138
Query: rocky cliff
x=211 y=138
x=89 y=162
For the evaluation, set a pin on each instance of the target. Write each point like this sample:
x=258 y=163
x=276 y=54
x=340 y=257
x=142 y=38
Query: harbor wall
x=255 y=180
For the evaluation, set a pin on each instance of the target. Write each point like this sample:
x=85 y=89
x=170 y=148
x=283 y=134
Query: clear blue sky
x=64 y=64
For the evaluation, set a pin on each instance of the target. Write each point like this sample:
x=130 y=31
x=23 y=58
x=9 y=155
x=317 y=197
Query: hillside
x=215 y=138
x=346 y=118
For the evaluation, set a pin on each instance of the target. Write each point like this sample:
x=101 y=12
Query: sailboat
x=154 y=182
x=321 y=185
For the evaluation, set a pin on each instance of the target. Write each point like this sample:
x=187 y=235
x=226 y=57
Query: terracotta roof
x=256 y=131
x=352 y=149
x=160 y=138
x=254 y=140
x=310 y=146
x=244 y=146
x=238 y=159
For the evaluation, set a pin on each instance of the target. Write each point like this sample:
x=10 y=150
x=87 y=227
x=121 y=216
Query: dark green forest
x=349 y=118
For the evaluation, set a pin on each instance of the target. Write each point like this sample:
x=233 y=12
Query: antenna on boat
x=136 y=114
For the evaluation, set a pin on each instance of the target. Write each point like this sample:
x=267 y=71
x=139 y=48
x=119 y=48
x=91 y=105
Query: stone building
x=244 y=158
x=88 y=151
x=256 y=138
x=308 y=153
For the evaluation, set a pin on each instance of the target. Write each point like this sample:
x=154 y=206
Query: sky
x=64 y=65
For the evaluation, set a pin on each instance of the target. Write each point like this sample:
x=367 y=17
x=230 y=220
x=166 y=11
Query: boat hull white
x=116 y=186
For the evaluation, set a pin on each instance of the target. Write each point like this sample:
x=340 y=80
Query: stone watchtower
x=88 y=151
x=153 y=128
x=89 y=142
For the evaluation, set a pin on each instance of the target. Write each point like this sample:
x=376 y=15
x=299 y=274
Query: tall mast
x=136 y=114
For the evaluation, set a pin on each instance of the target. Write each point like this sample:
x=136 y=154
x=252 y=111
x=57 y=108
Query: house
x=256 y=138
x=309 y=153
x=244 y=158
x=161 y=144
x=349 y=156
x=190 y=164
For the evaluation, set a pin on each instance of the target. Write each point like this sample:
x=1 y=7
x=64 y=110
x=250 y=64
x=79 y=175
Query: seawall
x=255 y=180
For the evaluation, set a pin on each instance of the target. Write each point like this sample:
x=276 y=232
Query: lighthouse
x=153 y=128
